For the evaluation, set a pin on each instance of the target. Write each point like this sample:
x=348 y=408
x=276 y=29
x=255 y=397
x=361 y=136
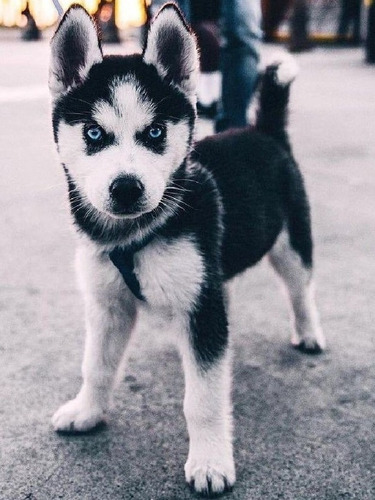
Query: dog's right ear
x=75 y=48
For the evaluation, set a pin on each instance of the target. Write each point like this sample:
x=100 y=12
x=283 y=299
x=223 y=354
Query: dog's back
x=258 y=180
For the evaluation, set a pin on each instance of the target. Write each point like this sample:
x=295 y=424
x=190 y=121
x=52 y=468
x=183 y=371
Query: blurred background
x=323 y=16
x=45 y=12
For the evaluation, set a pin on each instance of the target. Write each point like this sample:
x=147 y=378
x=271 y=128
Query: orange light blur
x=128 y=12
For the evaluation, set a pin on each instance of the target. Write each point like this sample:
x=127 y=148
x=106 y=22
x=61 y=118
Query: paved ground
x=304 y=426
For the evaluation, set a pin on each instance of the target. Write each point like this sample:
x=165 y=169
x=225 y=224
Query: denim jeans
x=241 y=35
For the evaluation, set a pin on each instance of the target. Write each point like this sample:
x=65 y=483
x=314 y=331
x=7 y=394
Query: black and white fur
x=190 y=218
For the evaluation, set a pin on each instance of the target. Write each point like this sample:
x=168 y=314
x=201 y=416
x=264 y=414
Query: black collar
x=123 y=259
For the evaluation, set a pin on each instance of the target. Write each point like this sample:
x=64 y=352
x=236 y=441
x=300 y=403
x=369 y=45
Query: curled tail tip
x=284 y=67
x=287 y=71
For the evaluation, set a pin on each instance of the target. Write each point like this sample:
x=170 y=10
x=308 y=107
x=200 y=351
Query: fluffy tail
x=272 y=115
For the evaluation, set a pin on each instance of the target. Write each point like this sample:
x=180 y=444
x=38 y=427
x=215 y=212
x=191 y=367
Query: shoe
x=301 y=46
x=209 y=112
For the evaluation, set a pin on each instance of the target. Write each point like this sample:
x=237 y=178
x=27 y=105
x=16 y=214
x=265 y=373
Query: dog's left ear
x=172 y=49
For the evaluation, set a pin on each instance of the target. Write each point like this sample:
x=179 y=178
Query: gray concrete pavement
x=304 y=426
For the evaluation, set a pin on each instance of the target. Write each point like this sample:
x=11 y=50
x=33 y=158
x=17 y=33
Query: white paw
x=310 y=342
x=77 y=416
x=210 y=477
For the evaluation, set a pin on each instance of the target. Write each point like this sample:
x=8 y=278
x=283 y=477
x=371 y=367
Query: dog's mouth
x=126 y=215
x=135 y=211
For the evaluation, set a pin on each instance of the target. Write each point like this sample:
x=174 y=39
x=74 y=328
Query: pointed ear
x=75 y=48
x=172 y=49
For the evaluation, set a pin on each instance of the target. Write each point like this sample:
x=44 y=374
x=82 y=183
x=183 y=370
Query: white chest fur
x=170 y=273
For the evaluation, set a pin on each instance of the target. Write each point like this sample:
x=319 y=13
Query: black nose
x=125 y=193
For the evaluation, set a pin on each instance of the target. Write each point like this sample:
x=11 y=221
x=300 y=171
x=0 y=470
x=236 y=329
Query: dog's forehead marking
x=129 y=110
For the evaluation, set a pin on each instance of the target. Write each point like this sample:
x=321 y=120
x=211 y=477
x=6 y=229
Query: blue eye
x=155 y=132
x=94 y=133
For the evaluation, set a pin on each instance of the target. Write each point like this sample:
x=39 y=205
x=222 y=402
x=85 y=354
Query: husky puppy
x=162 y=225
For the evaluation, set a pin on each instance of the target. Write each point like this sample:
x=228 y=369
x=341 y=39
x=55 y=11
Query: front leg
x=207 y=405
x=110 y=317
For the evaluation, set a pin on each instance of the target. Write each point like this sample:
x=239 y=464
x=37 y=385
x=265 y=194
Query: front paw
x=310 y=342
x=210 y=477
x=309 y=347
x=77 y=416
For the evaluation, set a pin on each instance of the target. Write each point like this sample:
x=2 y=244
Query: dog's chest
x=170 y=274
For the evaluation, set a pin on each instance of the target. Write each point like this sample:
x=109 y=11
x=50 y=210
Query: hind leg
x=297 y=277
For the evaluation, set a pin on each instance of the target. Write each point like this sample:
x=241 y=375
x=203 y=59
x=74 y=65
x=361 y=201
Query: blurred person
x=205 y=24
x=299 y=27
x=203 y=17
x=105 y=18
x=274 y=12
x=31 y=31
x=184 y=5
x=241 y=36
x=350 y=20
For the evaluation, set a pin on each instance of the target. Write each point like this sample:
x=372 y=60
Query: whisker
x=178 y=201
x=188 y=180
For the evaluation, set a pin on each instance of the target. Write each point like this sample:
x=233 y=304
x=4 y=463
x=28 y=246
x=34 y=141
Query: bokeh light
x=129 y=12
